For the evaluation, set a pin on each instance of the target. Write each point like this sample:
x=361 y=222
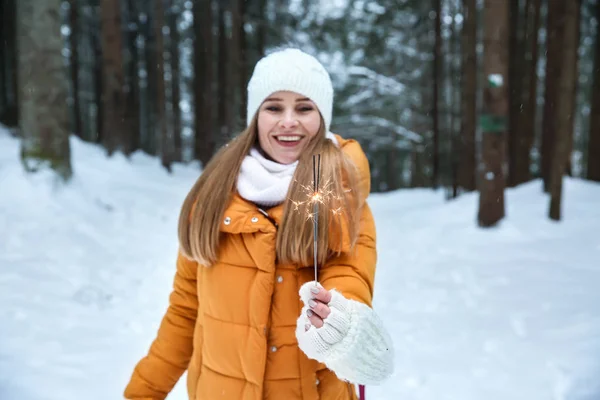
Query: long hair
x=204 y=206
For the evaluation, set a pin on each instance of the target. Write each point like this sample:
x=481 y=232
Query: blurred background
x=473 y=114
x=168 y=78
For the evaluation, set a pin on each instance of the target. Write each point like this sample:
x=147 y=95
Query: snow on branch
x=387 y=83
x=358 y=97
x=382 y=123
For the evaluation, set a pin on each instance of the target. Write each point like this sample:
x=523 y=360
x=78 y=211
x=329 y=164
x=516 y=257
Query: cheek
x=264 y=126
x=313 y=124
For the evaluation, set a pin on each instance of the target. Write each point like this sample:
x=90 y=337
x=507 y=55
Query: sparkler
x=318 y=195
x=316 y=198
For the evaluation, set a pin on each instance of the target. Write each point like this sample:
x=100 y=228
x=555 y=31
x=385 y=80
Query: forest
x=463 y=96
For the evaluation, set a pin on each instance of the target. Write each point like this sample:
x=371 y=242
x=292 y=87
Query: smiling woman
x=247 y=319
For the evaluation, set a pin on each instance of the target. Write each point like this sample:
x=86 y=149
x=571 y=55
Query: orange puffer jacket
x=232 y=325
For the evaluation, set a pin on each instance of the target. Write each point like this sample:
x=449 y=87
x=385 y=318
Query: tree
x=528 y=94
x=554 y=57
x=43 y=88
x=593 y=158
x=564 y=109
x=74 y=65
x=224 y=60
x=495 y=111
x=523 y=88
x=243 y=57
x=131 y=141
x=236 y=71
x=467 y=166
x=174 y=43
x=8 y=63
x=203 y=78
x=113 y=99
x=454 y=98
x=150 y=86
x=437 y=66
x=516 y=69
x=164 y=138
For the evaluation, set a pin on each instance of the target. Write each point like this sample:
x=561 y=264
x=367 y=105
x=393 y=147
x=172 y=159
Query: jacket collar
x=243 y=216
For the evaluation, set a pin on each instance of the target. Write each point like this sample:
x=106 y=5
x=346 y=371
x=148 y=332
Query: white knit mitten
x=353 y=342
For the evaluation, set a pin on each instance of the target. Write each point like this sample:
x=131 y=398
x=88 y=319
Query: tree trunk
x=554 y=56
x=175 y=83
x=74 y=44
x=468 y=161
x=9 y=107
x=564 y=110
x=224 y=77
x=203 y=77
x=593 y=158
x=437 y=61
x=417 y=177
x=262 y=28
x=163 y=133
x=495 y=112
x=132 y=95
x=392 y=175
x=575 y=61
x=44 y=118
x=148 y=104
x=3 y=61
x=456 y=101
x=515 y=81
x=113 y=100
x=526 y=121
x=234 y=124
x=98 y=80
x=243 y=61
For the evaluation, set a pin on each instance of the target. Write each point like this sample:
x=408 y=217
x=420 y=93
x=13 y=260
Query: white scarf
x=266 y=182
x=263 y=181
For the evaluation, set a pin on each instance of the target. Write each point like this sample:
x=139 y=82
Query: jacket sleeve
x=157 y=373
x=353 y=272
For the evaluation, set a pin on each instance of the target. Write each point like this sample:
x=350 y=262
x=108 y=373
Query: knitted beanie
x=291 y=70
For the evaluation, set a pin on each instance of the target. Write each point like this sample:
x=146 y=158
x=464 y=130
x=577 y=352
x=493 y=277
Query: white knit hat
x=295 y=71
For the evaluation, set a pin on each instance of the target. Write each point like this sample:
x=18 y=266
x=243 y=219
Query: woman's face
x=287 y=121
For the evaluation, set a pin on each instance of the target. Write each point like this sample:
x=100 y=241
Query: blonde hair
x=203 y=208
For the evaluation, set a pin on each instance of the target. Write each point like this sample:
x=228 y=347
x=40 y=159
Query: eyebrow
x=278 y=99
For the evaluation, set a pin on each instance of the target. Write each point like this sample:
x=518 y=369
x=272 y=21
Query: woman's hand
x=319 y=309
x=344 y=334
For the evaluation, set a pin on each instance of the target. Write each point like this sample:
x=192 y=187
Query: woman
x=246 y=318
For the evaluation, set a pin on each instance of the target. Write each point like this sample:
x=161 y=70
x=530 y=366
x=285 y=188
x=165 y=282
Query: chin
x=287 y=161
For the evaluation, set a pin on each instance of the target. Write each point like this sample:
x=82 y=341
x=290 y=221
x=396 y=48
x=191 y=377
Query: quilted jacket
x=232 y=325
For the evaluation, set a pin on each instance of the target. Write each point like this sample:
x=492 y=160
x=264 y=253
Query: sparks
x=317 y=195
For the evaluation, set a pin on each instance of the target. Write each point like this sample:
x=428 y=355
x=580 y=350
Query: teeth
x=289 y=138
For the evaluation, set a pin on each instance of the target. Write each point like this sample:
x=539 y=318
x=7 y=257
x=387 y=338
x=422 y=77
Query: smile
x=288 y=139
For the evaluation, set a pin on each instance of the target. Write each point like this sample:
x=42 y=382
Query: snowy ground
x=503 y=314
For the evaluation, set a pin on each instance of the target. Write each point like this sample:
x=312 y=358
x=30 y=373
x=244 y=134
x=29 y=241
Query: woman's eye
x=273 y=108
x=306 y=108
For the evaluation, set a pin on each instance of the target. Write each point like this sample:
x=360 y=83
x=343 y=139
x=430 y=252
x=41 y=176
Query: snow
x=503 y=313
x=496 y=80
x=387 y=84
x=404 y=133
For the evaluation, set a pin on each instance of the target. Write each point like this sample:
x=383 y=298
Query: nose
x=289 y=120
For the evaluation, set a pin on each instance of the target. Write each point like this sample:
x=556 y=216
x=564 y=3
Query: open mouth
x=288 y=140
